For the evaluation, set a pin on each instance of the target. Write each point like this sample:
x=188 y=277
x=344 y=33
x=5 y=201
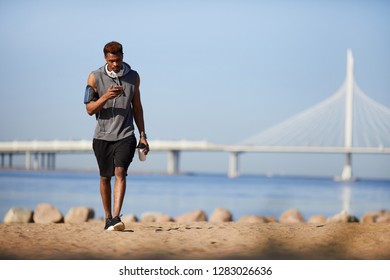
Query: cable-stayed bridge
x=348 y=122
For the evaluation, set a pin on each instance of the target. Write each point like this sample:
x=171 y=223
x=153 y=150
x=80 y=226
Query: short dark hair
x=113 y=47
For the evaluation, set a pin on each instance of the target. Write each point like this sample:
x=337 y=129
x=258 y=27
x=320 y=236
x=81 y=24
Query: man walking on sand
x=112 y=94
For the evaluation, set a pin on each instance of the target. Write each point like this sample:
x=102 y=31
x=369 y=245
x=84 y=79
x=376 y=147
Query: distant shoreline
x=189 y=173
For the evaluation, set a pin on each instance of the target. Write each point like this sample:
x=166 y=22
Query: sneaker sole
x=117 y=227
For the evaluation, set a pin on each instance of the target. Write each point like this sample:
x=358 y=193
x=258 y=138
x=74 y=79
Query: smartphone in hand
x=118 y=88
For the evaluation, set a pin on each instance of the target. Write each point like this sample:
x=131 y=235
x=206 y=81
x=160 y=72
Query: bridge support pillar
x=27 y=161
x=233 y=165
x=10 y=161
x=43 y=166
x=173 y=162
x=36 y=162
x=51 y=161
x=346 y=175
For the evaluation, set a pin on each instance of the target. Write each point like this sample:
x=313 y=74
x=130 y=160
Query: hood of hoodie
x=123 y=72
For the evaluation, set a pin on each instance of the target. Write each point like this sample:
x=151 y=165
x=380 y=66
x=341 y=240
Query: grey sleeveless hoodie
x=115 y=120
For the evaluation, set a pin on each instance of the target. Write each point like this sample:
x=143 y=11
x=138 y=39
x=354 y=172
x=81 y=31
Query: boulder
x=79 y=215
x=221 y=215
x=384 y=217
x=46 y=213
x=252 y=219
x=164 y=218
x=193 y=216
x=271 y=219
x=370 y=217
x=149 y=217
x=343 y=217
x=317 y=219
x=18 y=215
x=129 y=218
x=291 y=216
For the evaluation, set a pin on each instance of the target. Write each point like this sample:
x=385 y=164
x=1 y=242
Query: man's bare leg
x=115 y=224
x=119 y=189
x=105 y=192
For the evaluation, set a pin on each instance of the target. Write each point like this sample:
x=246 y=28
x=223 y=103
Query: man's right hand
x=111 y=93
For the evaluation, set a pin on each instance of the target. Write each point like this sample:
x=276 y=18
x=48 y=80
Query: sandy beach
x=197 y=240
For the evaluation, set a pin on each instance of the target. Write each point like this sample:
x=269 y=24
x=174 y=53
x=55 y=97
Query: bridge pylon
x=346 y=175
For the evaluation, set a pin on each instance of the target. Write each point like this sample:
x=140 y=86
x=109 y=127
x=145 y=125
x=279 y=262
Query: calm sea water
x=174 y=195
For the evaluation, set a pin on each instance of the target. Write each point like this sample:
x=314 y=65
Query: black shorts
x=111 y=154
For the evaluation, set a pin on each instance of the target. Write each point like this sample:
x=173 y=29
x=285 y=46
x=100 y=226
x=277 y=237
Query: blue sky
x=220 y=71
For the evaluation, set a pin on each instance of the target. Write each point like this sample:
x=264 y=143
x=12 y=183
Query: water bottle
x=141 y=152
